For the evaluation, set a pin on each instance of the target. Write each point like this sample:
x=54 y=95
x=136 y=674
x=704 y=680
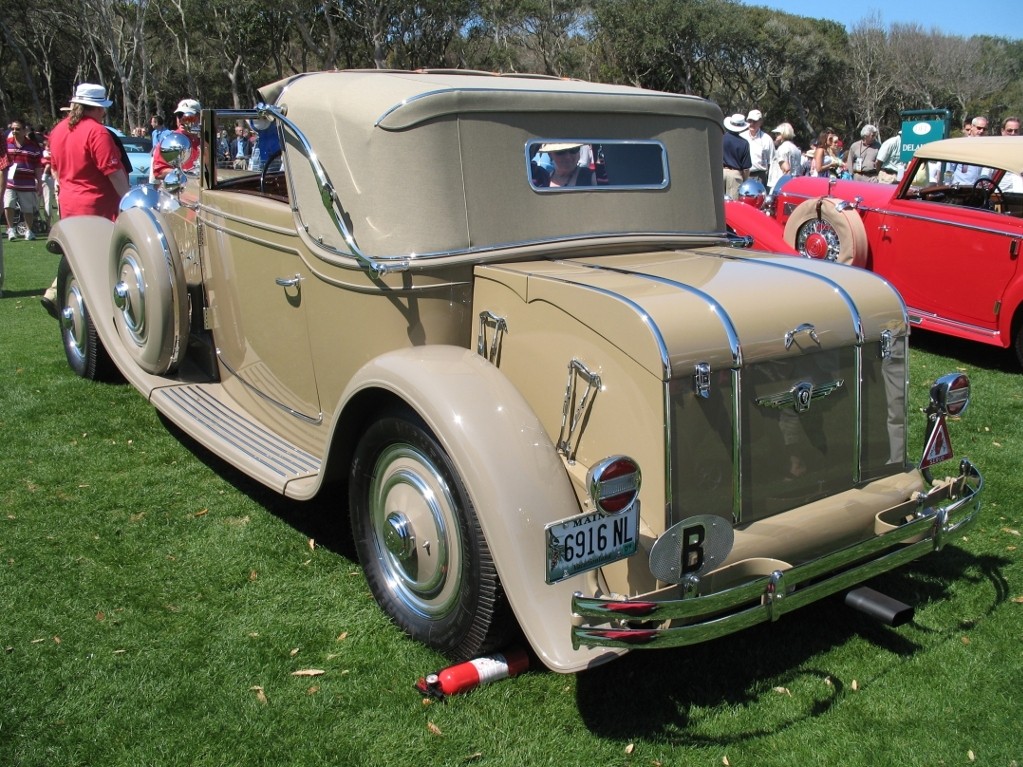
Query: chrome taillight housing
x=613 y=484
x=950 y=394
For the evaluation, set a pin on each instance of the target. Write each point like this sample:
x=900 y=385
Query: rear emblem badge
x=800 y=396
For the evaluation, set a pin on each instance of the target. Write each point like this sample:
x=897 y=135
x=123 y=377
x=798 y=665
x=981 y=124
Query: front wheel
x=420 y=542
x=85 y=353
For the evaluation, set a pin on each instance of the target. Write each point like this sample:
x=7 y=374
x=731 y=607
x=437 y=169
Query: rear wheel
x=819 y=229
x=85 y=353
x=420 y=542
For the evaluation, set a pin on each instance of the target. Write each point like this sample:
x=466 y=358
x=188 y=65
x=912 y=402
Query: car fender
x=85 y=242
x=510 y=469
x=747 y=221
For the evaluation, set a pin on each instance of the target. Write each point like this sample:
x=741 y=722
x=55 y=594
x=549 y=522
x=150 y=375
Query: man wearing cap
x=735 y=153
x=862 y=157
x=187 y=115
x=761 y=146
x=86 y=161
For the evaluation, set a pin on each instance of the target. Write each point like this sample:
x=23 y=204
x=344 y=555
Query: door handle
x=289 y=282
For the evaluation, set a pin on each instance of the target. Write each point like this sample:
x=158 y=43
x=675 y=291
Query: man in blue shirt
x=736 y=156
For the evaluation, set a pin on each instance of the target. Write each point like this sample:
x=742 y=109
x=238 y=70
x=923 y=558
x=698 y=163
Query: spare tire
x=150 y=297
x=820 y=229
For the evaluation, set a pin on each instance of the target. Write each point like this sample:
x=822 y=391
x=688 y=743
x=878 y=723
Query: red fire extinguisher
x=479 y=671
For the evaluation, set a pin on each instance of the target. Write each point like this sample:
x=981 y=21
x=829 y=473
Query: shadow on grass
x=672 y=694
x=969 y=353
x=324 y=518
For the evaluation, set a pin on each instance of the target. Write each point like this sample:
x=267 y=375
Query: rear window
x=572 y=164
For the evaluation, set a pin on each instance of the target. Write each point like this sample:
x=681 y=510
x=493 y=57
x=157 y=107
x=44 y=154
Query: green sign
x=929 y=125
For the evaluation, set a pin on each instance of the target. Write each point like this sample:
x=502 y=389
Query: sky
x=1001 y=18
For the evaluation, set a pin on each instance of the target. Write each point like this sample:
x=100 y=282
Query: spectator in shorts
x=24 y=178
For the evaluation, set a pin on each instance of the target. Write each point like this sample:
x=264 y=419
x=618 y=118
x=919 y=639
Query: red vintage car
x=951 y=248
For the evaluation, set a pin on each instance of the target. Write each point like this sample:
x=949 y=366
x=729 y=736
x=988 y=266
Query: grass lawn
x=158 y=608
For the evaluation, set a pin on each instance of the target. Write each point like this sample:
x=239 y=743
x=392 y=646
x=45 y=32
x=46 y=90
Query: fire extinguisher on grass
x=463 y=677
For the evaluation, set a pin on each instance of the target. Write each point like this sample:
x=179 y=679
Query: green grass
x=155 y=605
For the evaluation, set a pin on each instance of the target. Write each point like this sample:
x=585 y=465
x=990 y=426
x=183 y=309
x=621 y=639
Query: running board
x=205 y=413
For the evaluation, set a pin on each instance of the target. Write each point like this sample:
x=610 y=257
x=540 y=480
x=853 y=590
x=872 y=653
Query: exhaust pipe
x=879 y=606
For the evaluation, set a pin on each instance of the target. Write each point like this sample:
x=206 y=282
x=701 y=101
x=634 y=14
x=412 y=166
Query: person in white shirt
x=761 y=146
x=788 y=158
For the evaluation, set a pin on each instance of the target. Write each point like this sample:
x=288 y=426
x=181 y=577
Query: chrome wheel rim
x=818 y=239
x=414 y=523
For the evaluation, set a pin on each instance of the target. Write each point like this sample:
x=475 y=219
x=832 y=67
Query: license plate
x=588 y=541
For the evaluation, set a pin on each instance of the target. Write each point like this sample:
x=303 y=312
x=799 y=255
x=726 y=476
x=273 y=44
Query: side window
x=564 y=164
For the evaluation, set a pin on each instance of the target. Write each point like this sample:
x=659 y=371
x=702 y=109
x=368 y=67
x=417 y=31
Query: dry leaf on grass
x=312 y=544
x=260 y=694
x=724 y=761
x=202 y=513
x=309 y=672
x=783 y=691
x=434 y=729
x=1018 y=600
x=1010 y=531
x=855 y=685
x=294 y=652
x=342 y=636
x=966 y=640
x=630 y=748
x=971 y=756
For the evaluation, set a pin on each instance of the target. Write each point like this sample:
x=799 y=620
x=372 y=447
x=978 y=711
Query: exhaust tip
x=880 y=607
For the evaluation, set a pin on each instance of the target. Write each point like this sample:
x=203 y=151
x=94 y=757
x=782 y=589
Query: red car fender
x=747 y=221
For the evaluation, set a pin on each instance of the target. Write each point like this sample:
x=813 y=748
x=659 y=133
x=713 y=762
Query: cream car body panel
x=402 y=309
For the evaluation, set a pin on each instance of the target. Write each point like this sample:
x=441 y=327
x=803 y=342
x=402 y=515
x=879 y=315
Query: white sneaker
x=30 y=235
x=11 y=234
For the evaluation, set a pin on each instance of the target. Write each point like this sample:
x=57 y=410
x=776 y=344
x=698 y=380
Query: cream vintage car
x=400 y=312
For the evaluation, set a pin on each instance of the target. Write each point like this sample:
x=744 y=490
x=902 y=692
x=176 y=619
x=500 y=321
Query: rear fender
x=511 y=470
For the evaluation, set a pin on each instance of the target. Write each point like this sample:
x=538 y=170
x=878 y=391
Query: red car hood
x=807 y=187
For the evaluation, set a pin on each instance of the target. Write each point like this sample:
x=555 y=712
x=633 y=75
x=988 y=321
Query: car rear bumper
x=639 y=623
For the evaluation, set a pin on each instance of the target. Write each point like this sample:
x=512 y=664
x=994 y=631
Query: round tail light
x=951 y=393
x=614 y=484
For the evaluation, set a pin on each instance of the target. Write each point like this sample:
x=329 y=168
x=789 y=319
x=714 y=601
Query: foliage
x=805 y=71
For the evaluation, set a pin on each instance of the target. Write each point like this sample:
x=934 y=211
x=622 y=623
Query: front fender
x=511 y=470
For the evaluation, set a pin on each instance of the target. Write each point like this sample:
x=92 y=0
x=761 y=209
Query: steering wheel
x=266 y=167
x=989 y=188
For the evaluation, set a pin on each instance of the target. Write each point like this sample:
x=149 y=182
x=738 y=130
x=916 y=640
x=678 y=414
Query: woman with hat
x=86 y=162
x=567 y=170
x=187 y=114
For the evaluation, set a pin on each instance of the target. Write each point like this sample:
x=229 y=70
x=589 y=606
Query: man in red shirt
x=3 y=190
x=24 y=178
x=187 y=115
x=87 y=163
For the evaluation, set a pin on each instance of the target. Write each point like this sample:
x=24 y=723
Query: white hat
x=559 y=147
x=785 y=131
x=736 y=123
x=188 y=107
x=91 y=95
x=868 y=128
x=755 y=115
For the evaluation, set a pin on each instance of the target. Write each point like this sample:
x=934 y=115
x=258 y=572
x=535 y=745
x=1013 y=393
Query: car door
x=946 y=259
x=255 y=284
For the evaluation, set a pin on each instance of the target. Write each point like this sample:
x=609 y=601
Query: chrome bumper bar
x=940 y=514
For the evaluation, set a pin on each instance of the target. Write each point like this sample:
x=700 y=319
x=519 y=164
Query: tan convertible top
x=435 y=162
x=1003 y=152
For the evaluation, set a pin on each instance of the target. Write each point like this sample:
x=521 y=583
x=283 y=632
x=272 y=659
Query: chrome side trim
x=314 y=420
x=942 y=513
